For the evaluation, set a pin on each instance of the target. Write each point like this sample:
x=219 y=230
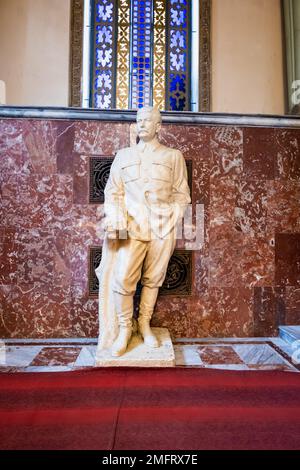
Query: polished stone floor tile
x=19 y=356
x=48 y=369
x=219 y=355
x=224 y=353
x=227 y=366
x=59 y=356
x=187 y=356
x=283 y=346
x=280 y=367
x=258 y=354
x=86 y=357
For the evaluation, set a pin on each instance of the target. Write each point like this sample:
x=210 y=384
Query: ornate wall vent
x=178 y=281
x=99 y=173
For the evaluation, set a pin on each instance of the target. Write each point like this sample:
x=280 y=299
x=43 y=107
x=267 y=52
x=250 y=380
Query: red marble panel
x=223 y=195
x=226 y=151
x=225 y=256
x=47 y=228
x=292 y=305
x=287 y=165
x=52 y=316
x=221 y=312
x=87 y=220
x=172 y=313
x=56 y=356
x=34 y=256
x=224 y=240
x=258 y=261
x=269 y=310
x=8 y=260
x=84 y=311
x=251 y=208
x=80 y=179
x=287 y=259
x=64 y=146
x=71 y=254
x=14 y=157
x=7 y=235
x=200 y=183
x=193 y=142
x=36 y=311
x=219 y=355
x=16 y=311
x=40 y=141
x=46 y=311
x=101 y=138
x=201 y=271
x=9 y=197
x=259 y=153
x=45 y=201
x=283 y=206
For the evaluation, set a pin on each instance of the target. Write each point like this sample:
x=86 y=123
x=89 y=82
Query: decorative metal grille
x=99 y=173
x=178 y=281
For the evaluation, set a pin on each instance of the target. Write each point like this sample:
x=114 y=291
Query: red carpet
x=124 y=409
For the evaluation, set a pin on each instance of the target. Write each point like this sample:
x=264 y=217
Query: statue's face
x=147 y=125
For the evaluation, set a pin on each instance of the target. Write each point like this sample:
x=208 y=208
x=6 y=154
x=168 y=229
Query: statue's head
x=148 y=121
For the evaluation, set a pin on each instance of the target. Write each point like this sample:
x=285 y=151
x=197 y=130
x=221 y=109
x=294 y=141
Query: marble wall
x=246 y=276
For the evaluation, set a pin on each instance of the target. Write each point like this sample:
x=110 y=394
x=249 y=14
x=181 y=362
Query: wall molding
x=81 y=114
x=76 y=52
x=205 y=56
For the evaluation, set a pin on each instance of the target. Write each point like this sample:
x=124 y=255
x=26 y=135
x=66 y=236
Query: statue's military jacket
x=147 y=191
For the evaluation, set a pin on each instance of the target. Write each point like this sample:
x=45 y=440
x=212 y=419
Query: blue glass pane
x=141 y=33
x=178 y=62
x=103 y=88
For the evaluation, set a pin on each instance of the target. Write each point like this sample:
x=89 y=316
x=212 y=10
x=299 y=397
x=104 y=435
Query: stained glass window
x=141 y=54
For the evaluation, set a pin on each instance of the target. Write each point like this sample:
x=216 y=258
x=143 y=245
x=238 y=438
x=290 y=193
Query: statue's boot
x=146 y=307
x=124 y=309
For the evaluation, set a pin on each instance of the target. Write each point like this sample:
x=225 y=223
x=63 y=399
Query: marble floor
x=224 y=353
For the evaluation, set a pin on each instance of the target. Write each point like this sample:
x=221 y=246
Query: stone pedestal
x=140 y=355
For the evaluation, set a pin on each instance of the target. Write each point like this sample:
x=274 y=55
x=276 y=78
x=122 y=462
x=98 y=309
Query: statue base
x=140 y=355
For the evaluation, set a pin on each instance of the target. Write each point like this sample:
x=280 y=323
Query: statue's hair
x=155 y=111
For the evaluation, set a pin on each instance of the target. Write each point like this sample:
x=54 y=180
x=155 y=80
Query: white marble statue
x=145 y=197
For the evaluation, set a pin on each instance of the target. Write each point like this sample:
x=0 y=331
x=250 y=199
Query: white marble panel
x=187 y=356
x=285 y=347
x=86 y=357
x=227 y=366
x=47 y=369
x=258 y=354
x=20 y=356
x=219 y=340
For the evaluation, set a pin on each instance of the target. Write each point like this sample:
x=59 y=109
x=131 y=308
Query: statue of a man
x=145 y=197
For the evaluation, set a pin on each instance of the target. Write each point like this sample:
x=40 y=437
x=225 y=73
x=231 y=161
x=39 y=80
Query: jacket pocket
x=161 y=171
x=130 y=171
